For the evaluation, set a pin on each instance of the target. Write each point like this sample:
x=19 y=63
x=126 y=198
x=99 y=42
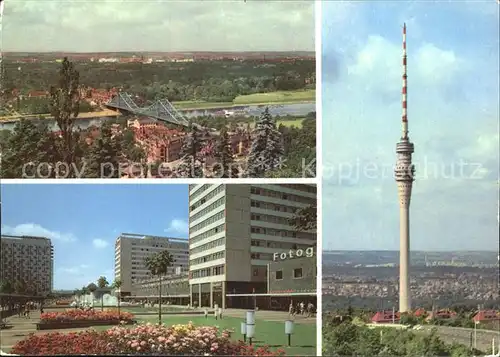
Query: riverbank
x=272 y=98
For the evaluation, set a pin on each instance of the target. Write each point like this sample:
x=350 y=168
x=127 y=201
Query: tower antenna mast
x=404 y=117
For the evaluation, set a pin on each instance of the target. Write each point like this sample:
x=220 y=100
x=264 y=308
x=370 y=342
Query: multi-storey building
x=27 y=263
x=234 y=233
x=131 y=250
x=174 y=289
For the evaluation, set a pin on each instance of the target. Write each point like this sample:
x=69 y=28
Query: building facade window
x=297 y=273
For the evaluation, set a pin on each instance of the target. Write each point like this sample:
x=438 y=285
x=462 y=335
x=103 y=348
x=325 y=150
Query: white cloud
x=178 y=226
x=36 y=230
x=378 y=65
x=159 y=25
x=76 y=270
x=99 y=243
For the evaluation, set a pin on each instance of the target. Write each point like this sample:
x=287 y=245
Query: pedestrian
x=19 y=310
x=290 y=309
x=41 y=308
x=302 y=308
x=310 y=309
x=27 y=311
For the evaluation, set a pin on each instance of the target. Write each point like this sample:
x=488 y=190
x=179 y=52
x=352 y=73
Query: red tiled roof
x=486 y=315
x=385 y=316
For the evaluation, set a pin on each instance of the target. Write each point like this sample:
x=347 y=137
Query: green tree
x=20 y=287
x=225 y=167
x=103 y=156
x=191 y=165
x=28 y=151
x=64 y=108
x=158 y=265
x=130 y=149
x=305 y=218
x=408 y=319
x=6 y=287
x=347 y=339
x=91 y=288
x=266 y=150
x=300 y=150
x=102 y=282
x=117 y=285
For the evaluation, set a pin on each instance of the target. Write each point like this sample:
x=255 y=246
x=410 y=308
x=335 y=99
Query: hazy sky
x=453 y=113
x=133 y=25
x=83 y=222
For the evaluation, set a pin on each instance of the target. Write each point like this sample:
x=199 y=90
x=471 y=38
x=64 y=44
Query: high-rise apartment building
x=131 y=251
x=27 y=262
x=234 y=233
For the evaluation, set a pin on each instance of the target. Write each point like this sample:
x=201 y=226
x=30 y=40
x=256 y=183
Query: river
x=294 y=109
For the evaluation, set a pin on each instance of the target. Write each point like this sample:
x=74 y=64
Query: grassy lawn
x=282 y=97
x=192 y=104
x=296 y=123
x=271 y=333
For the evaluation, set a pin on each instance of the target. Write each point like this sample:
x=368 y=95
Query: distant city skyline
x=83 y=221
x=159 y=26
x=453 y=112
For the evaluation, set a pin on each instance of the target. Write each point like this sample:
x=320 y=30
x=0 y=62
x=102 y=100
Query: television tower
x=404 y=175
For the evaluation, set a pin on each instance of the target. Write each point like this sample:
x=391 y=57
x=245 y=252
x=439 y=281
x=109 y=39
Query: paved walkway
x=18 y=328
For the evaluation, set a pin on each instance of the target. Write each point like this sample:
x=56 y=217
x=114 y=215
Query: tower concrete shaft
x=404 y=175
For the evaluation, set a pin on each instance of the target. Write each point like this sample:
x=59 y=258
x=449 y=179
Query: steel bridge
x=161 y=110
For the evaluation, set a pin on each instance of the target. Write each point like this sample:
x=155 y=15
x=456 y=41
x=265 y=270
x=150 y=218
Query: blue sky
x=83 y=221
x=453 y=111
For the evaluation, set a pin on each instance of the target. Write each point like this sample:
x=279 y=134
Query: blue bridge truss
x=161 y=110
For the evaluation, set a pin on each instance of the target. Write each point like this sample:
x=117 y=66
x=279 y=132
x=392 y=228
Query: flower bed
x=141 y=340
x=76 y=318
x=89 y=315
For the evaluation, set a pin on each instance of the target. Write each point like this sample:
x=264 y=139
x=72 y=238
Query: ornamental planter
x=56 y=325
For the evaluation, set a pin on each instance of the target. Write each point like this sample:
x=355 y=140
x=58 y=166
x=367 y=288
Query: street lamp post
x=289 y=331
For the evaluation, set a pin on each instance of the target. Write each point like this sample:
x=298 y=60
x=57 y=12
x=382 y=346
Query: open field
x=282 y=97
x=289 y=123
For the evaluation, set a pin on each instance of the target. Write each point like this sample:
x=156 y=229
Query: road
x=463 y=336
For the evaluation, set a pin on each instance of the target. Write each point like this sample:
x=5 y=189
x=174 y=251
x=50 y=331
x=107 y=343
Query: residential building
x=160 y=143
x=384 y=317
x=486 y=316
x=131 y=250
x=235 y=232
x=27 y=262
